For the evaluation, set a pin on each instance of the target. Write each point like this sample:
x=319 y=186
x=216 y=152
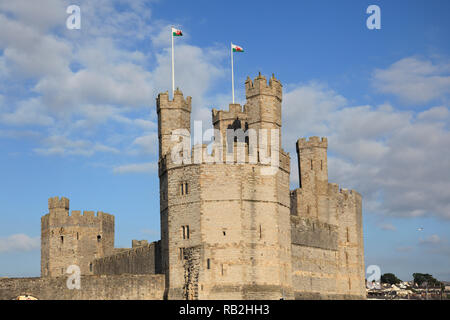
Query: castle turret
x=58 y=206
x=73 y=239
x=263 y=102
x=313 y=179
x=172 y=115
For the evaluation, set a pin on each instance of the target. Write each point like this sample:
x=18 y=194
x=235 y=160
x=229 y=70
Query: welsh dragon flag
x=237 y=48
x=177 y=32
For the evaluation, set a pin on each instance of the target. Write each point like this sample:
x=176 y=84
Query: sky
x=78 y=118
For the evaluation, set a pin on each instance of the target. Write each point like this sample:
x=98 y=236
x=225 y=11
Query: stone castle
x=229 y=230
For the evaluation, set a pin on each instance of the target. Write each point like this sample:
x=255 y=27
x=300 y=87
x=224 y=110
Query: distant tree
x=421 y=278
x=390 y=278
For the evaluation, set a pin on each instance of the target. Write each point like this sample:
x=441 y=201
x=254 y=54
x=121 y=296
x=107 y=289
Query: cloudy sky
x=78 y=119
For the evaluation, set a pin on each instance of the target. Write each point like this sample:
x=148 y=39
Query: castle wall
x=104 y=287
x=145 y=259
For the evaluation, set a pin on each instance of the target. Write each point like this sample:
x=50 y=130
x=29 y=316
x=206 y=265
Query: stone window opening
x=208 y=264
x=181 y=254
x=186 y=189
x=182 y=189
x=321 y=164
x=224 y=233
x=311 y=164
x=221 y=266
x=90 y=267
x=348 y=235
x=99 y=238
x=78 y=236
x=185 y=232
x=62 y=239
x=260 y=231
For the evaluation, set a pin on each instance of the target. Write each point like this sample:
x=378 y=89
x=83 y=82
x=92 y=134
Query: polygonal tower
x=225 y=227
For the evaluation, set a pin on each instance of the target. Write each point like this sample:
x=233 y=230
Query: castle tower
x=263 y=105
x=313 y=177
x=225 y=227
x=73 y=239
x=172 y=115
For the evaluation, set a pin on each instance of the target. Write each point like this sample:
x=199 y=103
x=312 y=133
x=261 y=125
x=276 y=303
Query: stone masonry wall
x=145 y=259
x=111 y=287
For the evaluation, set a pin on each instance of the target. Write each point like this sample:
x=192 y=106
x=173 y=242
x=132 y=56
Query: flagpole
x=232 y=71
x=173 y=68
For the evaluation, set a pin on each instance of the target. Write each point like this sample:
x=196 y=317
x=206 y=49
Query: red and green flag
x=237 y=48
x=177 y=32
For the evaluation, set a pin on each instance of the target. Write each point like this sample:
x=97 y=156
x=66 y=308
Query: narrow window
x=311 y=165
x=208 y=264
x=221 y=266
x=186 y=190
x=181 y=253
x=348 y=236
x=185 y=232
x=62 y=239
x=260 y=231
x=90 y=267
x=224 y=233
x=182 y=188
x=78 y=237
x=99 y=237
x=321 y=164
x=346 y=259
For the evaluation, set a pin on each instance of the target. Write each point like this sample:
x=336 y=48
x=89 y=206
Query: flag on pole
x=234 y=48
x=237 y=48
x=177 y=32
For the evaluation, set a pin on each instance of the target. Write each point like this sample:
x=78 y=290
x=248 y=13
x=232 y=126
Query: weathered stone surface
x=104 y=287
x=143 y=258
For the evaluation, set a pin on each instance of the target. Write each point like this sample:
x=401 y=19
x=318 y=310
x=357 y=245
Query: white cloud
x=148 y=167
x=148 y=144
x=395 y=159
x=19 y=242
x=387 y=227
x=414 y=80
x=41 y=14
x=29 y=112
x=60 y=145
x=434 y=239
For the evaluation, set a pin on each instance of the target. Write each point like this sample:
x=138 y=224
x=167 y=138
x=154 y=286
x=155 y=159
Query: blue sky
x=77 y=110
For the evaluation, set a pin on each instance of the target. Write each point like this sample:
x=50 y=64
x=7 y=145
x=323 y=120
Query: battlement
x=178 y=101
x=316 y=142
x=241 y=155
x=55 y=217
x=234 y=111
x=57 y=203
x=259 y=87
